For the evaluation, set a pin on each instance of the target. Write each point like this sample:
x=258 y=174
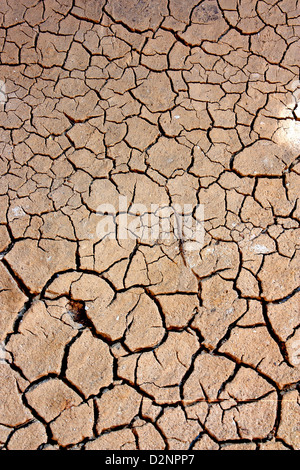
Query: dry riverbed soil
x=122 y=327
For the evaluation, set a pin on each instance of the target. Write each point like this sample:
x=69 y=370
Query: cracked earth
x=135 y=343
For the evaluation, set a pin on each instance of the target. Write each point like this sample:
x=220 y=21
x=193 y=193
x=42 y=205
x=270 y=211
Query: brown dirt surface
x=118 y=331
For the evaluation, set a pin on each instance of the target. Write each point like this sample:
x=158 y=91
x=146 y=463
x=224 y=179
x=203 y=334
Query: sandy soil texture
x=149 y=224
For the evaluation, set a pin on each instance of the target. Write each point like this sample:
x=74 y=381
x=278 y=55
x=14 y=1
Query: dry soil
x=138 y=342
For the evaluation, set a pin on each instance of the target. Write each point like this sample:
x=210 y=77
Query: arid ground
x=149 y=224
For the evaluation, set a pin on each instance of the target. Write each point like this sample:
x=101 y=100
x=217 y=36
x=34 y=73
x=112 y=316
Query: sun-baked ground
x=137 y=342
